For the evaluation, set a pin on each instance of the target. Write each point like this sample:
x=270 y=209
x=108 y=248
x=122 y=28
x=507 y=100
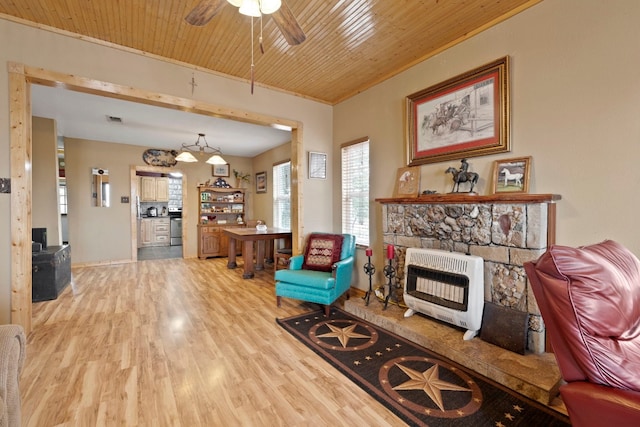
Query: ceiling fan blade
x=204 y=12
x=288 y=25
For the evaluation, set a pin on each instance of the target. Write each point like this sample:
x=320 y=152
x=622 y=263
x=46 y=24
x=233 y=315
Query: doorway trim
x=21 y=77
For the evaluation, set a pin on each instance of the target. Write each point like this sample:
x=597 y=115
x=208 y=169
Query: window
x=62 y=196
x=355 y=190
x=282 y=195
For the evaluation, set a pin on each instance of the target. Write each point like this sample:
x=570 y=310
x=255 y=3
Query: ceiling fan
x=205 y=10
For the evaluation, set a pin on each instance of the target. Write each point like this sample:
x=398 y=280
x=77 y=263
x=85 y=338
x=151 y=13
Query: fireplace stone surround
x=505 y=229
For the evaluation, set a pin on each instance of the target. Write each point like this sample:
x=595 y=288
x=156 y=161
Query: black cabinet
x=50 y=272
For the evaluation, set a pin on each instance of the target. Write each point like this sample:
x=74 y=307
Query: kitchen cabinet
x=153 y=232
x=219 y=208
x=144 y=232
x=160 y=234
x=162 y=189
x=154 y=189
x=147 y=189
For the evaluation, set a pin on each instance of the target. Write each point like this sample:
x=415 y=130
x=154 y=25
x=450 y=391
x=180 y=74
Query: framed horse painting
x=407 y=182
x=465 y=116
x=511 y=175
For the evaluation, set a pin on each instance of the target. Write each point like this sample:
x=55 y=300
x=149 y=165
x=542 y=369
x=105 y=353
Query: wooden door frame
x=21 y=77
x=186 y=215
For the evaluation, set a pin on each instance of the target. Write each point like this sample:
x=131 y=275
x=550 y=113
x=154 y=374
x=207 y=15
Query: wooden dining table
x=249 y=236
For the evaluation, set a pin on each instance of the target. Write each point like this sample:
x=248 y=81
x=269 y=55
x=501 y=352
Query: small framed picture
x=220 y=170
x=317 y=165
x=407 y=182
x=261 y=182
x=511 y=175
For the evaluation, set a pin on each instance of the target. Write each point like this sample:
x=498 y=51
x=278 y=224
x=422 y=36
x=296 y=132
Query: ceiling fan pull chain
x=261 y=46
x=252 y=65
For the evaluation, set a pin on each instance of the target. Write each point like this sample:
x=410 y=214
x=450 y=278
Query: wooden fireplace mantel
x=462 y=198
x=502 y=198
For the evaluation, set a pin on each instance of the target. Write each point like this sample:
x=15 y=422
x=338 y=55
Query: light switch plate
x=124 y=199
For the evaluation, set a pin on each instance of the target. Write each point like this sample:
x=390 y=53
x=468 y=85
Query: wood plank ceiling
x=351 y=45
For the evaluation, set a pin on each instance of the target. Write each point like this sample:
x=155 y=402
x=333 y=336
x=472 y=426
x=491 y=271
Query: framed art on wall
x=465 y=116
x=511 y=175
x=317 y=165
x=220 y=170
x=261 y=182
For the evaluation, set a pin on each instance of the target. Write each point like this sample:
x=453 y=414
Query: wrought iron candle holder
x=369 y=270
x=390 y=273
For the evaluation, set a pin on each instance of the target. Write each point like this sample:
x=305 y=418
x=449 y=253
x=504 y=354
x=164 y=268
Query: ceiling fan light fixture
x=284 y=20
x=250 y=8
x=269 y=6
x=256 y=8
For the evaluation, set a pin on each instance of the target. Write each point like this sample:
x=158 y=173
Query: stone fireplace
x=506 y=230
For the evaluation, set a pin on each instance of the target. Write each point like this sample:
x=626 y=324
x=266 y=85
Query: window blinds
x=282 y=195
x=355 y=191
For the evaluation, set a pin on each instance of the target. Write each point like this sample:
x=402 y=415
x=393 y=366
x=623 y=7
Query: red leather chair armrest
x=594 y=405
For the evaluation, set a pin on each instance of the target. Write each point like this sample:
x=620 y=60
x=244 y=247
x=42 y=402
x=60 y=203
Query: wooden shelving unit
x=218 y=208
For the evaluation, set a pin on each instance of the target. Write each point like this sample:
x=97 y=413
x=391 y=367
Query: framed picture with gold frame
x=465 y=116
x=261 y=182
x=511 y=175
x=407 y=182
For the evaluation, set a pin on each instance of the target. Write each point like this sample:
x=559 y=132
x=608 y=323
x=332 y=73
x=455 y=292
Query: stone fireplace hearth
x=535 y=375
x=506 y=230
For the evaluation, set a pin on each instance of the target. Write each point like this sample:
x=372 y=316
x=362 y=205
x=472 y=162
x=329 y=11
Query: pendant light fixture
x=187 y=150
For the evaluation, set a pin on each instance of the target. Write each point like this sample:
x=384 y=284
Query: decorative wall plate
x=156 y=157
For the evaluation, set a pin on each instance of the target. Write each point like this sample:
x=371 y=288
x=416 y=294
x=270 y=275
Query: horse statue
x=462 y=176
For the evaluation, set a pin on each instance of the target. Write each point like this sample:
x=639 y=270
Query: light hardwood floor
x=180 y=343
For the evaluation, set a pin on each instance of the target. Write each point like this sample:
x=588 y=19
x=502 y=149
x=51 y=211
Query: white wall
x=575 y=92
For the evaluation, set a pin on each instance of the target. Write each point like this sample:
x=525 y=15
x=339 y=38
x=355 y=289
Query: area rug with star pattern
x=420 y=387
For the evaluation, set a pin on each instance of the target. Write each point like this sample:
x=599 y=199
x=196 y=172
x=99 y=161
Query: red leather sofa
x=589 y=298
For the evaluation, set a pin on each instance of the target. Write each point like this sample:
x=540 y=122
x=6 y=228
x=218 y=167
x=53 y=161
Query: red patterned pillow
x=322 y=251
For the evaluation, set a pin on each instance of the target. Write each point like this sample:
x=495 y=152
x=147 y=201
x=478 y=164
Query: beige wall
x=98 y=234
x=264 y=163
x=46 y=211
x=574 y=102
x=70 y=55
x=574 y=106
x=103 y=235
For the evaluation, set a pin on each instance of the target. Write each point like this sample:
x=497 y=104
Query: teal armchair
x=312 y=277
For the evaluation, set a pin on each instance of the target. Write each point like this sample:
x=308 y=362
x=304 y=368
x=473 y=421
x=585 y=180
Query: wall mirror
x=100 y=187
